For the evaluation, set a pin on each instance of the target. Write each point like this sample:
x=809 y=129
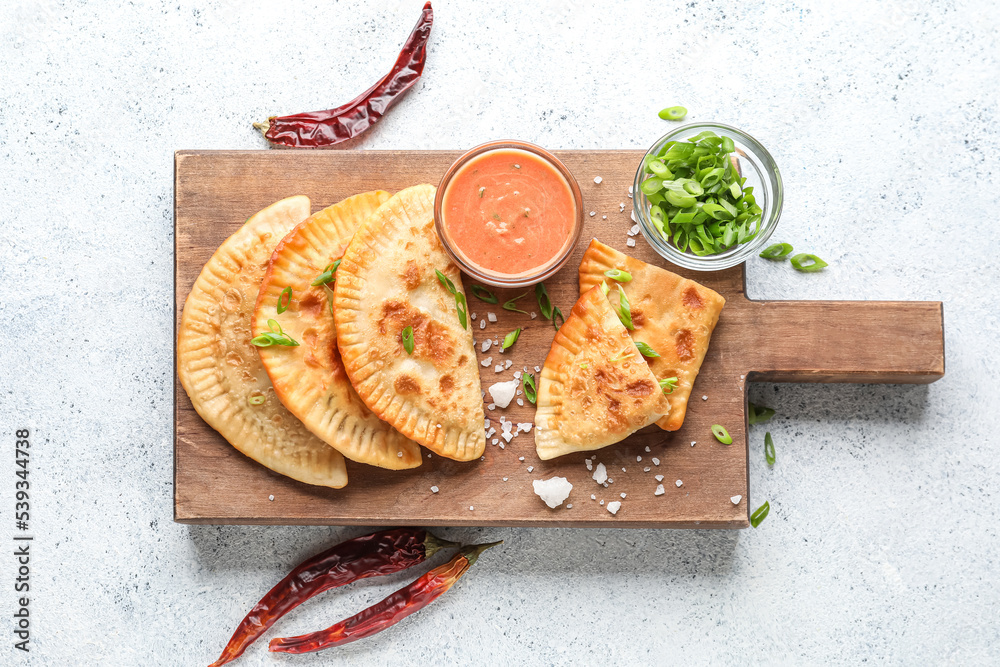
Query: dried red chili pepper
x=319 y=129
x=389 y=611
x=384 y=552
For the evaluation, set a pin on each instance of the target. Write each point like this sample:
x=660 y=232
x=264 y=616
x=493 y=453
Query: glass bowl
x=756 y=164
x=543 y=271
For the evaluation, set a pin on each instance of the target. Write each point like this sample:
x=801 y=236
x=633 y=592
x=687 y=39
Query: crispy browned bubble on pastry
x=673 y=315
x=595 y=388
x=221 y=371
x=310 y=379
x=385 y=283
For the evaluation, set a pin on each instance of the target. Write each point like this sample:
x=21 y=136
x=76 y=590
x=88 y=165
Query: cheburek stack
x=326 y=376
x=597 y=387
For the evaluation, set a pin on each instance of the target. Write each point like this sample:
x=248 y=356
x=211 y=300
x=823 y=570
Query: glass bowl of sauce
x=509 y=213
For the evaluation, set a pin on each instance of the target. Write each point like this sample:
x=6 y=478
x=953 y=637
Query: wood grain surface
x=780 y=341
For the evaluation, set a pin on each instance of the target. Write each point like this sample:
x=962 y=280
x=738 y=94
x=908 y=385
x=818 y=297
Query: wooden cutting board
x=776 y=341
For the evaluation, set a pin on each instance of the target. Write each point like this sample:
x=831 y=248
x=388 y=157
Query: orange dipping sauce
x=509 y=213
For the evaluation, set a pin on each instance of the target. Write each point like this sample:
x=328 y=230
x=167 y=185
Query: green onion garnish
x=646 y=350
x=327 y=275
x=721 y=434
x=673 y=113
x=759 y=415
x=604 y=287
x=777 y=251
x=585 y=365
x=528 y=385
x=759 y=514
x=484 y=294
x=557 y=315
x=329 y=296
x=624 y=309
x=273 y=337
x=544 y=302
x=407 y=336
x=460 y=304
x=697 y=201
x=510 y=339
x=668 y=385
x=621 y=357
x=769 y=449
x=511 y=306
x=619 y=275
x=481 y=192
x=284 y=299
x=816 y=263
x=256 y=400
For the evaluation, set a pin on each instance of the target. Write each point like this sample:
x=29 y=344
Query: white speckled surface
x=882 y=539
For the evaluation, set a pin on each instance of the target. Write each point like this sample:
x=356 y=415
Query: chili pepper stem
x=473 y=551
x=434 y=544
x=263 y=127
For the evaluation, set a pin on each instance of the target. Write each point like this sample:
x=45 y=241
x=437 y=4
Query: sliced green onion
x=721 y=434
x=759 y=514
x=257 y=400
x=528 y=385
x=777 y=251
x=619 y=275
x=407 y=336
x=624 y=309
x=544 y=302
x=585 y=365
x=460 y=303
x=769 y=449
x=556 y=316
x=646 y=350
x=622 y=357
x=484 y=294
x=481 y=192
x=510 y=339
x=329 y=296
x=668 y=385
x=759 y=415
x=284 y=299
x=273 y=337
x=816 y=263
x=673 y=113
x=510 y=305
x=328 y=273
x=604 y=287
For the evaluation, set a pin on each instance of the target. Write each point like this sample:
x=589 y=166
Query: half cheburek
x=221 y=371
x=386 y=283
x=672 y=315
x=310 y=379
x=595 y=389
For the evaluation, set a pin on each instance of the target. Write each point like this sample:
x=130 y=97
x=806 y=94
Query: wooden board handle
x=844 y=341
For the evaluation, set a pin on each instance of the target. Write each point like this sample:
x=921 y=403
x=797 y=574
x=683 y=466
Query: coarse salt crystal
x=530 y=468
x=270 y=497
x=693 y=442
x=593 y=497
x=486 y=362
x=552 y=491
x=590 y=466
x=501 y=445
x=659 y=478
x=538 y=369
x=399 y=454
x=471 y=508
x=736 y=499
x=630 y=243
x=520 y=402
x=613 y=507
x=487 y=421
x=646 y=469
x=569 y=506
x=491 y=407
x=598 y=179
x=604 y=217
x=634 y=230
x=704 y=398
x=508 y=364
x=534 y=315
x=492 y=317
x=638 y=459
x=473 y=316
x=495 y=440
x=505 y=479
x=610 y=481
x=602 y=501
x=623 y=495
x=659 y=490
x=600 y=474
x=487 y=344
x=524 y=426
x=520 y=458
x=498 y=368
x=508 y=436
x=656 y=461
x=679 y=483
x=647 y=448
x=482 y=324
x=517 y=374
x=503 y=392
x=434 y=489
x=593 y=213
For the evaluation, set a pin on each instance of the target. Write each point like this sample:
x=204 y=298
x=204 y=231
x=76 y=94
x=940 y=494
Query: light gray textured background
x=882 y=539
